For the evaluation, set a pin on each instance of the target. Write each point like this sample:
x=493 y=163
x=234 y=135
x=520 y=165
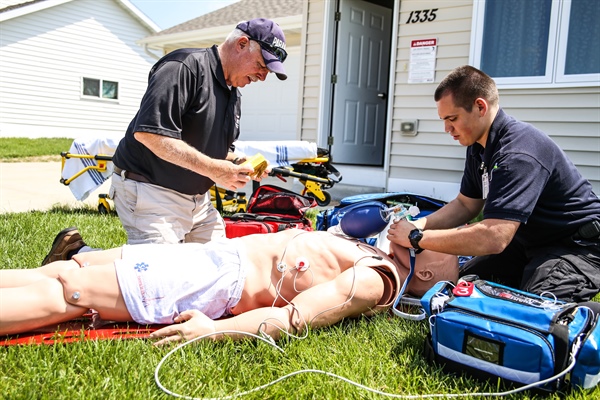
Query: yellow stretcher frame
x=313 y=185
x=234 y=201
x=102 y=161
x=231 y=202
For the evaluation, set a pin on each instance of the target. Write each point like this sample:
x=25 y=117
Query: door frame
x=377 y=176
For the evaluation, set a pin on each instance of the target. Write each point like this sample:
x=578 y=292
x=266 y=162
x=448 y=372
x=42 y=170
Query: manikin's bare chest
x=306 y=264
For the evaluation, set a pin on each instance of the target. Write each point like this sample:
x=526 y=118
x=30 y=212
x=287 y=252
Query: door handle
x=382 y=96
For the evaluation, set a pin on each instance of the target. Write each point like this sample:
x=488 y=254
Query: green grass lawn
x=383 y=352
x=42 y=149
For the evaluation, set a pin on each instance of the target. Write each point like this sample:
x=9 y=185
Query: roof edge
x=158 y=42
x=43 y=5
x=29 y=8
x=139 y=15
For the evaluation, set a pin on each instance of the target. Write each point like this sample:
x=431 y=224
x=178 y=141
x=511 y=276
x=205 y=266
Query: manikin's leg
x=23 y=277
x=54 y=300
x=30 y=307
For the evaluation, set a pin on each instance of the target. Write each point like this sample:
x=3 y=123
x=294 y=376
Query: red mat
x=79 y=330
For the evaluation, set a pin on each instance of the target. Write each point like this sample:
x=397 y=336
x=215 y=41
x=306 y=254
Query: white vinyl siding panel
x=45 y=54
x=313 y=48
x=269 y=108
x=432 y=155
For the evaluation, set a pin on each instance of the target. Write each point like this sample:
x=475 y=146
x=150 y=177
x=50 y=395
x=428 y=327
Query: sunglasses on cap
x=278 y=52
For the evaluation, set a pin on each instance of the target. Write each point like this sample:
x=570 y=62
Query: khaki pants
x=154 y=214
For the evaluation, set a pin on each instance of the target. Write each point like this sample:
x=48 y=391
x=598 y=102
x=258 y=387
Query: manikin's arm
x=353 y=292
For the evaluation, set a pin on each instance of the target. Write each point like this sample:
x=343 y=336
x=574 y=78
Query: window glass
x=583 y=43
x=110 y=90
x=515 y=37
x=91 y=87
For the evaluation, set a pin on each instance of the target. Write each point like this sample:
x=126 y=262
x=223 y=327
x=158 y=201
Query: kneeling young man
x=277 y=282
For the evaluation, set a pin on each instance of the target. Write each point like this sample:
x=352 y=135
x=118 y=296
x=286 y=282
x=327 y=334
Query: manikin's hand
x=190 y=324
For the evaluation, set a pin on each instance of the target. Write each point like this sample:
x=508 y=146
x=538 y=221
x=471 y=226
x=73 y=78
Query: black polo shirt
x=187 y=98
x=531 y=181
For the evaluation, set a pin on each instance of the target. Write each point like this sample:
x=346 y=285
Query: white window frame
x=88 y=97
x=562 y=52
x=555 y=59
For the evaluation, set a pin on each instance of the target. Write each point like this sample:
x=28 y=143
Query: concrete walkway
x=36 y=186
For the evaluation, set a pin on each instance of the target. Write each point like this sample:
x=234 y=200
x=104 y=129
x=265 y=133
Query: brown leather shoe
x=66 y=243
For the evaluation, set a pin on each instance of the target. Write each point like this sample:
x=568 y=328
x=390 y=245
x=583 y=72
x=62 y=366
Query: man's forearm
x=456 y=213
x=176 y=152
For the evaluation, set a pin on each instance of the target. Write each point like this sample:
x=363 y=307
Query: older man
x=179 y=143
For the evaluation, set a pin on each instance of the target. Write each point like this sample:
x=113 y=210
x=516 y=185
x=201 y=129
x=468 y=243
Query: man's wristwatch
x=415 y=236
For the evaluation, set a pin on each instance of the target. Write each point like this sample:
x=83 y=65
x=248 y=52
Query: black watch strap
x=415 y=236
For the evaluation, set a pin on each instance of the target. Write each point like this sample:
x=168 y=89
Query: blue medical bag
x=490 y=330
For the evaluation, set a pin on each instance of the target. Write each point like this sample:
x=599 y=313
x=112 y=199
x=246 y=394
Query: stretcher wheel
x=321 y=203
x=103 y=206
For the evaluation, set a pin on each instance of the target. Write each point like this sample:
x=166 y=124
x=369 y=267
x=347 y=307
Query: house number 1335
x=421 y=16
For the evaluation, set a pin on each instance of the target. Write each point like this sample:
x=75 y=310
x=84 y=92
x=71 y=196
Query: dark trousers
x=569 y=271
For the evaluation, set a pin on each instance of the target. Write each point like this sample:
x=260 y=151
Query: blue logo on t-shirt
x=141 y=267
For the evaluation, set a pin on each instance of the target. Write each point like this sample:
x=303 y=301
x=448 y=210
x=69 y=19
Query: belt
x=131 y=175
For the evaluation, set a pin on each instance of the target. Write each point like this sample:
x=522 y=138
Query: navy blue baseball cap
x=271 y=39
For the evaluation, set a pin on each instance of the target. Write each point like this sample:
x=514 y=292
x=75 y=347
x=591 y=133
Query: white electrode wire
x=278 y=295
x=312 y=279
x=269 y=340
x=572 y=356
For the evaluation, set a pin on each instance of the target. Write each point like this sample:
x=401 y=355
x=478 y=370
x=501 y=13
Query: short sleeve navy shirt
x=187 y=98
x=531 y=181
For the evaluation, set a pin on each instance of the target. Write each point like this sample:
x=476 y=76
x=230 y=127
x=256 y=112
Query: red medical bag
x=270 y=209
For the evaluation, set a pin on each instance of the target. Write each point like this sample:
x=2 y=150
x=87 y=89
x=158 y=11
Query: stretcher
x=79 y=330
x=297 y=159
x=88 y=163
x=99 y=163
x=315 y=174
x=228 y=200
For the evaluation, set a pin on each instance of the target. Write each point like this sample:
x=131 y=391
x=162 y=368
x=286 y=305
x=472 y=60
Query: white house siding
x=269 y=108
x=430 y=162
x=45 y=54
x=313 y=55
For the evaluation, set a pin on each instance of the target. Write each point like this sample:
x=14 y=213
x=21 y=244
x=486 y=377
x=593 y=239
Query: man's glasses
x=278 y=52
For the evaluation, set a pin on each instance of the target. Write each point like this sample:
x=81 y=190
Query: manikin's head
x=430 y=267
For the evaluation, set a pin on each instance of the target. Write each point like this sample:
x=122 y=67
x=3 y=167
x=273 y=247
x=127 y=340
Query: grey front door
x=360 y=90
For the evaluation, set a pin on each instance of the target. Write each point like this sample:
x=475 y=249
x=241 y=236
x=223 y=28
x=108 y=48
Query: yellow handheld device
x=259 y=163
